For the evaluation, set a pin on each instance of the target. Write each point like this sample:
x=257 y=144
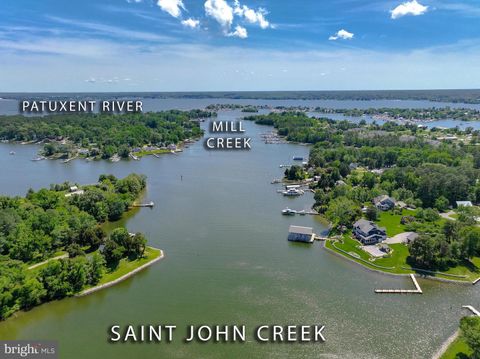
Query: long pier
x=417 y=289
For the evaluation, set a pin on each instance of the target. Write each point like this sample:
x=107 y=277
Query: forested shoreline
x=61 y=227
x=103 y=135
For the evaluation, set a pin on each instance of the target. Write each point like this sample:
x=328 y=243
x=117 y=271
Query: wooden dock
x=472 y=309
x=417 y=289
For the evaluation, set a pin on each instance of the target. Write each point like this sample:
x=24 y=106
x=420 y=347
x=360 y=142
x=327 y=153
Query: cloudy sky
x=226 y=45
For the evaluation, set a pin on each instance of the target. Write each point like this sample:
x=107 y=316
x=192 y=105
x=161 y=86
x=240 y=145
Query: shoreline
x=423 y=276
x=446 y=344
x=123 y=277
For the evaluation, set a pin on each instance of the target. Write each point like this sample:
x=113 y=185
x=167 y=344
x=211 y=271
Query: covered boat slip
x=301 y=234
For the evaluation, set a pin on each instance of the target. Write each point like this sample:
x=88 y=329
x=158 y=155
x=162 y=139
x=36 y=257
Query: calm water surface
x=228 y=262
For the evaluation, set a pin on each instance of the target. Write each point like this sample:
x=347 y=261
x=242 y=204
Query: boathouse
x=301 y=234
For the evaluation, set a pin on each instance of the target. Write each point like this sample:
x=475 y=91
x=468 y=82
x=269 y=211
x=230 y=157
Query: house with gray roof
x=384 y=202
x=368 y=233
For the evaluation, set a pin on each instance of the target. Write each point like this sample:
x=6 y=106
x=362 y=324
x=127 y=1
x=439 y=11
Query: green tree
x=441 y=203
x=371 y=213
x=112 y=253
x=96 y=269
x=343 y=212
x=470 y=327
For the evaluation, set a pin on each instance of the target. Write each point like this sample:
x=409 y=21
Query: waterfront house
x=384 y=202
x=301 y=234
x=368 y=233
x=464 y=204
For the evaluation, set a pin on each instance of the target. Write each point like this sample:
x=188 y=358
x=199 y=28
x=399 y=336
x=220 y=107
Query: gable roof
x=366 y=226
x=382 y=198
x=300 y=230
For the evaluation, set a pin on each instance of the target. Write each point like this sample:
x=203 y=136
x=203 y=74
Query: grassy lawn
x=397 y=260
x=391 y=221
x=351 y=245
x=125 y=266
x=146 y=153
x=472 y=271
x=457 y=350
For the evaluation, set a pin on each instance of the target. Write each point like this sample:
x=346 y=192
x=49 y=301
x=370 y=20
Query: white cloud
x=168 y=66
x=252 y=16
x=191 y=23
x=240 y=32
x=220 y=11
x=342 y=34
x=119 y=32
x=134 y=1
x=173 y=7
x=408 y=8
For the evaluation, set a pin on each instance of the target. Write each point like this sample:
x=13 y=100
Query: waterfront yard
x=396 y=261
x=391 y=221
x=457 y=350
x=125 y=266
x=391 y=263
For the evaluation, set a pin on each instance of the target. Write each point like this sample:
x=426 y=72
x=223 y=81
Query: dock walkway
x=472 y=309
x=417 y=289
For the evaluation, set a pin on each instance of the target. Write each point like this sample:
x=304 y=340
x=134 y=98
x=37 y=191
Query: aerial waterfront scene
x=231 y=179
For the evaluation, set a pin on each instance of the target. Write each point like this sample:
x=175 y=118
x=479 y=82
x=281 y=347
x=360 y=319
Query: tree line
x=103 y=134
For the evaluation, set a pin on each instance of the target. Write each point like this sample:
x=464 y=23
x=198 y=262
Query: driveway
x=399 y=238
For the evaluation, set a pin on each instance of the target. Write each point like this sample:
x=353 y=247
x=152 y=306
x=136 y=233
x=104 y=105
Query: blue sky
x=215 y=45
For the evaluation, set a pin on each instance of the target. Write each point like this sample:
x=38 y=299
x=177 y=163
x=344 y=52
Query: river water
x=228 y=262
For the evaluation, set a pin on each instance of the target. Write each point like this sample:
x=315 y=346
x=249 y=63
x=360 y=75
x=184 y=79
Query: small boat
x=288 y=212
x=302 y=212
x=40 y=158
x=297 y=158
x=115 y=158
x=12 y=152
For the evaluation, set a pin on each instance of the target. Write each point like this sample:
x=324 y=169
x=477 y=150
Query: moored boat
x=288 y=212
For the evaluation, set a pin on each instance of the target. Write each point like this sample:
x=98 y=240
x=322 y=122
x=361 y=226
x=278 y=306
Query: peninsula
x=104 y=136
x=53 y=245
